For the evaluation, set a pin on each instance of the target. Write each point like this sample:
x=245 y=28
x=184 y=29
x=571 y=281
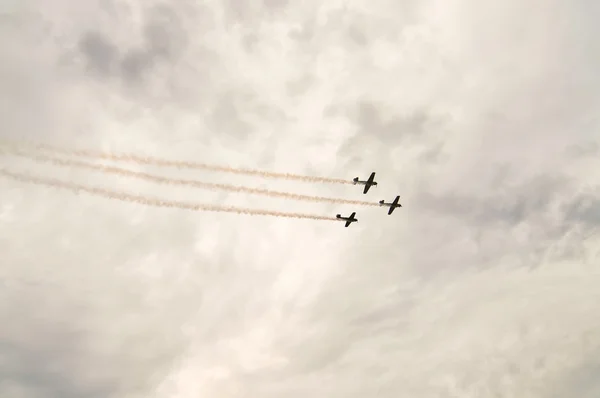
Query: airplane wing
x=350 y=219
x=369 y=182
x=394 y=205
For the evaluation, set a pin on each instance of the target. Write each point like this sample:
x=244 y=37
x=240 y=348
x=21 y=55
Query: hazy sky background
x=483 y=115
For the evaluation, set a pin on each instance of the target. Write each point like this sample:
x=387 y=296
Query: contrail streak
x=192 y=183
x=149 y=201
x=132 y=158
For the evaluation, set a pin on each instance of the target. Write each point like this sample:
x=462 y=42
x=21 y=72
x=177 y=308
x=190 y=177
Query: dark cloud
x=380 y=129
x=42 y=355
x=163 y=34
x=511 y=204
x=135 y=64
x=163 y=40
x=392 y=129
x=47 y=371
x=252 y=15
x=227 y=118
x=275 y=4
x=584 y=150
x=101 y=56
x=583 y=382
x=585 y=209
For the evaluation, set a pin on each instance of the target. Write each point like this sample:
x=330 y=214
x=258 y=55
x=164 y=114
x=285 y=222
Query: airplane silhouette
x=392 y=205
x=368 y=183
x=349 y=220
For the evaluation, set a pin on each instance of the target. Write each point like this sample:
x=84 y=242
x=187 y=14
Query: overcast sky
x=482 y=115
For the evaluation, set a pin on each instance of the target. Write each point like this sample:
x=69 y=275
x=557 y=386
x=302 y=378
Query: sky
x=483 y=116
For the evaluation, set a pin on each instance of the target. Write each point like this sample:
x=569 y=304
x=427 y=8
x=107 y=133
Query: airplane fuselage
x=360 y=182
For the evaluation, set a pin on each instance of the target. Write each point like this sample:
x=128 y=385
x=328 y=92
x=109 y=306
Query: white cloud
x=481 y=116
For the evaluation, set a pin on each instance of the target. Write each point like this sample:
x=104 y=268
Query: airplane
x=368 y=184
x=392 y=205
x=349 y=220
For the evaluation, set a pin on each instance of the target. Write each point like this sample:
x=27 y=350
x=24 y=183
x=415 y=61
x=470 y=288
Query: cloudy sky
x=482 y=115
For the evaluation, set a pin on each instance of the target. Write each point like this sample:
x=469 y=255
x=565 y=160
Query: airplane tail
x=355 y=180
x=338 y=215
x=381 y=202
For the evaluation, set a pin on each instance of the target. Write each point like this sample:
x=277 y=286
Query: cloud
x=481 y=116
x=99 y=53
x=160 y=39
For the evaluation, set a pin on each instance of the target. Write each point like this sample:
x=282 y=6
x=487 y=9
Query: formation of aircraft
x=368 y=184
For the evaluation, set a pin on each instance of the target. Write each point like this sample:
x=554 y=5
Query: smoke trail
x=128 y=157
x=149 y=201
x=193 y=183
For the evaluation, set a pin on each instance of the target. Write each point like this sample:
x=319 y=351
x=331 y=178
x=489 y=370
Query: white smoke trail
x=149 y=201
x=193 y=183
x=132 y=158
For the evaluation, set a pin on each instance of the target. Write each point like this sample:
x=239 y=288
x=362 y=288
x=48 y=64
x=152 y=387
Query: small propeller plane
x=368 y=184
x=349 y=220
x=392 y=205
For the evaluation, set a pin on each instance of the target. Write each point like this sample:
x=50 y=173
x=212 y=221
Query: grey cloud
x=42 y=371
x=134 y=64
x=584 y=149
x=276 y=4
x=252 y=15
x=583 y=383
x=227 y=118
x=381 y=129
x=163 y=41
x=101 y=56
x=511 y=205
x=584 y=210
x=371 y=122
x=163 y=33
x=43 y=358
